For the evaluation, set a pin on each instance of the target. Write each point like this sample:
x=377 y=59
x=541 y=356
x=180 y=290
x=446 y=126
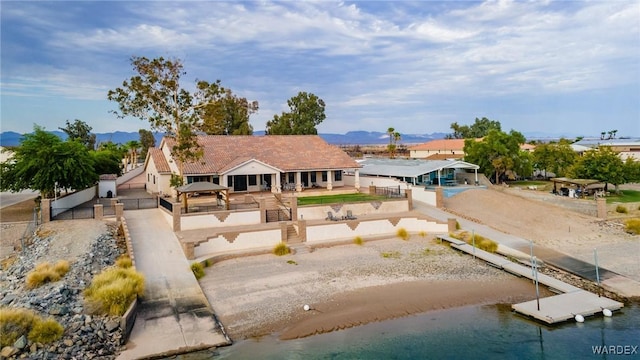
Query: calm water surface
x=476 y=332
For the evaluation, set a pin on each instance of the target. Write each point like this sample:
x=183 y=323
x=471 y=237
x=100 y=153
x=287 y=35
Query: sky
x=552 y=67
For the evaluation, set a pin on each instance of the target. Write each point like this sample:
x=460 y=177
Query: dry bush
x=45 y=272
x=198 y=270
x=358 y=240
x=632 y=226
x=403 y=234
x=16 y=322
x=281 y=249
x=113 y=290
x=124 y=261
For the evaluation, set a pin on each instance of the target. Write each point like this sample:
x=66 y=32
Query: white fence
x=366 y=181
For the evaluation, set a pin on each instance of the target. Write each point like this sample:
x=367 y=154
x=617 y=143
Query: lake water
x=475 y=332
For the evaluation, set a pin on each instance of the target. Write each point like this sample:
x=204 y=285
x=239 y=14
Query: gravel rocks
x=85 y=336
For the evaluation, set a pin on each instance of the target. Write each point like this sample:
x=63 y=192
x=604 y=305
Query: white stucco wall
x=364 y=208
x=130 y=175
x=337 y=231
x=208 y=220
x=419 y=193
x=244 y=241
x=104 y=186
x=73 y=200
x=366 y=181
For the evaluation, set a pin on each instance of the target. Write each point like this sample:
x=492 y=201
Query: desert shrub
x=390 y=254
x=112 y=291
x=457 y=225
x=292 y=262
x=358 y=240
x=482 y=243
x=124 y=261
x=46 y=331
x=403 y=234
x=422 y=233
x=44 y=273
x=632 y=226
x=621 y=209
x=281 y=249
x=198 y=270
x=208 y=263
x=16 y=322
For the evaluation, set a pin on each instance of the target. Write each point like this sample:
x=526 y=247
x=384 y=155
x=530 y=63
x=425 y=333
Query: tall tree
x=156 y=95
x=478 y=129
x=394 y=137
x=81 y=132
x=602 y=164
x=229 y=115
x=44 y=162
x=147 y=140
x=133 y=146
x=497 y=153
x=307 y=112
x=554 y=157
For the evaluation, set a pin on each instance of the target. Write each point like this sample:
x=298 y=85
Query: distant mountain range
x=10 y=138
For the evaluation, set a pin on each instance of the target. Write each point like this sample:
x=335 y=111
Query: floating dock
x=553 y=309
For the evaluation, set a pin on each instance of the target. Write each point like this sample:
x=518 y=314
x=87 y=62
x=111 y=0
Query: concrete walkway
x=174 y=316
x=610 y=280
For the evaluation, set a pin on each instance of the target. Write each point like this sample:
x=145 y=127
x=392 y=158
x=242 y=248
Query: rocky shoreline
x=85 y=336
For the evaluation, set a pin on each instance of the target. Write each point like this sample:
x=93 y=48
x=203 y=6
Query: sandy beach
x=350 y=285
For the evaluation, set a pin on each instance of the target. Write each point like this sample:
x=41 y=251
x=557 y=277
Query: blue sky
x=566 y=67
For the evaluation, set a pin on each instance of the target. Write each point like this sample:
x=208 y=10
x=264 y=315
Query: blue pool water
x=476 y=332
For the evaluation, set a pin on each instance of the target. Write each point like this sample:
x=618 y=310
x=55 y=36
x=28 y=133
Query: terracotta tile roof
x=440 y=144
x=284 y=152
x=159 y=160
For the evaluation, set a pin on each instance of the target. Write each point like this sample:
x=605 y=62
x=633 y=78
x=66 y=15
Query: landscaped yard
x=625 y=196
x=340 y=198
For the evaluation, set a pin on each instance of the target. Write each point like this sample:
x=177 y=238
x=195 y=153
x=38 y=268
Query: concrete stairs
x=299 y=249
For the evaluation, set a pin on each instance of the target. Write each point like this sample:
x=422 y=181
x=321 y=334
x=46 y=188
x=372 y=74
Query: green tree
x=132 y=154
x=229 y=115
x=497 y=153
x=554 y=157
x=602 y=164
x=478 y=129
x=394 y=137
x=156 y=95
x=307 y=112
x=81 y=132
x=147 y=140
x=44 y=162
x=107 y=162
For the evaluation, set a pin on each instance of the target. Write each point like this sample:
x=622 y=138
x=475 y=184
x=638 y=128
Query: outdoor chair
x=350 y=216
x=331 y=217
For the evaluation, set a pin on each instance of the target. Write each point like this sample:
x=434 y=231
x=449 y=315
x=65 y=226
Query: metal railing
x=137 y=204
x=166 y=204
x=73 y=213
x=391 y=192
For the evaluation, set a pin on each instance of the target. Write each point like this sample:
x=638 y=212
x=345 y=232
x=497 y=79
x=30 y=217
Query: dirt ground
x=512 y=212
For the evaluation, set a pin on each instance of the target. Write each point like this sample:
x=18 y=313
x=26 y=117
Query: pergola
x=202 y=187
x=580 y=183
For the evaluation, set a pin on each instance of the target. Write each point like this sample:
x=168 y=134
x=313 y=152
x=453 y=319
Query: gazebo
x=582 y=184
x=202 y=187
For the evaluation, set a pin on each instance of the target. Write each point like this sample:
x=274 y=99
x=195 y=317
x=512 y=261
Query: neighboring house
x=626 y=148
x=418 y=172
x=447 y=149
x=440 y=149
x=5 y=154
x=254 y=163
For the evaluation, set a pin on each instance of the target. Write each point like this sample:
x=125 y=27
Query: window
x=313 y=177
x=337 y=175
x=324 y=176
x=292 y=177
x=154 y=179
x=253 y=180
x=230 y=181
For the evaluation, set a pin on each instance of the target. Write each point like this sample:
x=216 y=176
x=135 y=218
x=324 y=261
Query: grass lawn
x=625 y=196
x=340 y=198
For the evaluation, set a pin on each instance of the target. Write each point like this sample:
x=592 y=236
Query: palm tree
x=394 y=137
x=133 y=147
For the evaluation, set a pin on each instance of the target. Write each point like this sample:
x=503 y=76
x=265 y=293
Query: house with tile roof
x=439 y=149
x=447 y=149
x=254 y=163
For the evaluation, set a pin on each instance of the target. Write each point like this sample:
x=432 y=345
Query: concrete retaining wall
x=218 y=219
x=419 y=193
x=318 y=212
x=130 y=175
x=229 y=243
x=350 y=229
